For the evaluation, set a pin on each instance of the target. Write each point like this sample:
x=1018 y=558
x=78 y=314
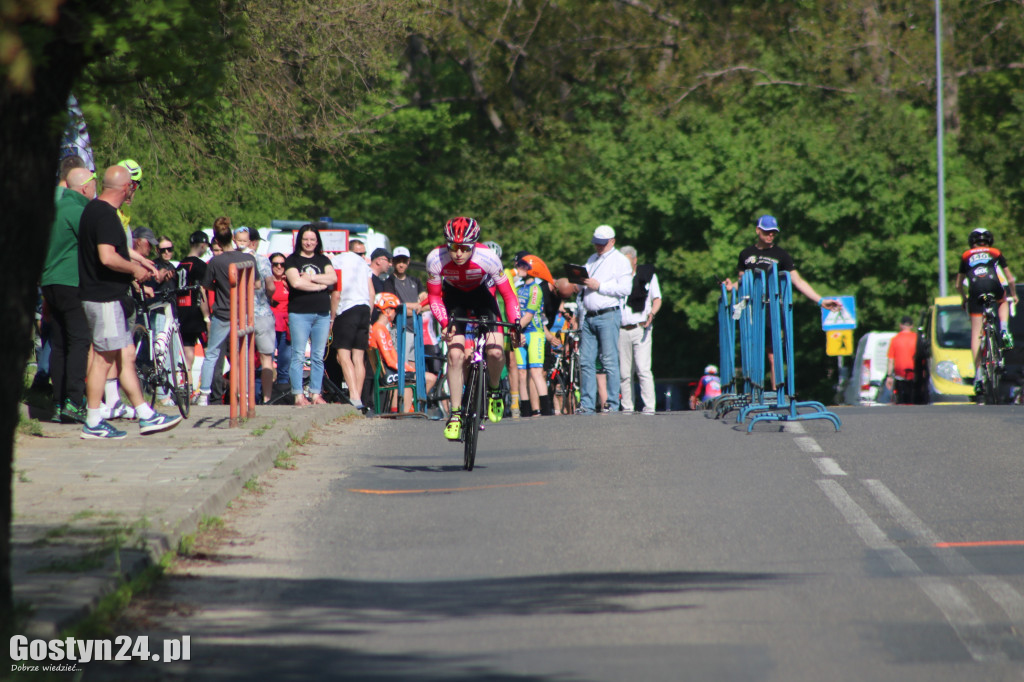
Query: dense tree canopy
x=678 y=123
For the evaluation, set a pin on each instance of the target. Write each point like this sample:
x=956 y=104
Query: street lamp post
x=939 y=118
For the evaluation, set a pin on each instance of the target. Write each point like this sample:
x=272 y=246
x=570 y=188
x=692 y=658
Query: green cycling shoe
x=453 y=429
x=495 y=405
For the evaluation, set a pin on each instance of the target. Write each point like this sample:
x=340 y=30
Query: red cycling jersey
x=482 y=269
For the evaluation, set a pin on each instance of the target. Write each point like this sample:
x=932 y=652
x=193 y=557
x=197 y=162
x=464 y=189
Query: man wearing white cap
x=411 y=292
x=608 y=283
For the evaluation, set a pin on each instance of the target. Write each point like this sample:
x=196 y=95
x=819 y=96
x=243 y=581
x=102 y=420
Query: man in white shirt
x=642 y=304
x=609 y=281
x=351 y=330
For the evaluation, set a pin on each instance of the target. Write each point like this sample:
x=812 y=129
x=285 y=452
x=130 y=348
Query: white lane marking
x=969 y=628
x=828 y=466
x=807 y=444
x=1001 y=592
x=793 y=427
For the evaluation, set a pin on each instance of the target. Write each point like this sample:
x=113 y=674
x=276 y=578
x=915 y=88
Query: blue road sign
x=844 y=318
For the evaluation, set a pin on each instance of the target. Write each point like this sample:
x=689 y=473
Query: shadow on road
x=278 y=629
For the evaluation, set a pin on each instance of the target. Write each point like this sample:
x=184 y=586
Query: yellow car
x=944 y=353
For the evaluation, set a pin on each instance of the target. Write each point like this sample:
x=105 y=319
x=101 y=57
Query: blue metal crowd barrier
x=419 y=390
x=762 y=298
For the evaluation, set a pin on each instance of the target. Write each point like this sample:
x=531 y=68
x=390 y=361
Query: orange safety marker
x=983 y=543
x=443 y=490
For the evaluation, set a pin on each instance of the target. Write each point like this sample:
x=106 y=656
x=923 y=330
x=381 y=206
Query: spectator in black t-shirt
x=192 y=308
x=106 y=269
x=216 y=280
x=311 y=279
x=761 y=256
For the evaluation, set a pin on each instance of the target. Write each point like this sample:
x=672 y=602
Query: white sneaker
x=203 y=399
x=117 y=411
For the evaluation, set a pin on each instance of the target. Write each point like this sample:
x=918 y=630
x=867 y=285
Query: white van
x=869 y=368
x=335 y=236
x=280 y=237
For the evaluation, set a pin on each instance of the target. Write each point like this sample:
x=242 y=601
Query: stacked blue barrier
x=762 y=298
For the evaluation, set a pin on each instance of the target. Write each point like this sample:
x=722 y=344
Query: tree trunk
x=31 y=124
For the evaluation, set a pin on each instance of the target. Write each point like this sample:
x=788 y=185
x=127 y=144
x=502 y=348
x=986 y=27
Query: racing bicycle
x=159 y=351
x=990 y=360
x=474 y=394
x=564 y=377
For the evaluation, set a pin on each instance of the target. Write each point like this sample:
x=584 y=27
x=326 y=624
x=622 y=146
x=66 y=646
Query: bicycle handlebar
x=161 y=296
x=483 y=322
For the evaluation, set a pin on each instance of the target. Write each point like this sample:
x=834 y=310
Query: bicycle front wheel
x=179 y=387
x=473 y=411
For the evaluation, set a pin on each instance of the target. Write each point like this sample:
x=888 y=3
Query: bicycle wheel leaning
x=178 y=386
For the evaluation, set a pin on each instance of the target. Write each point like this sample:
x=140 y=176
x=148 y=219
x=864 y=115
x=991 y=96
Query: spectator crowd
x=322 y=320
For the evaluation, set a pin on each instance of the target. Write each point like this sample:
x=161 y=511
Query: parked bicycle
x=159 y=351
x=474 y=396
x=990 y=360
x=564 y=377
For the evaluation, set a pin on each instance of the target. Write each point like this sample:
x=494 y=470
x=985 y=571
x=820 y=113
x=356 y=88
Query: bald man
x=69 y=335
x=106 y=269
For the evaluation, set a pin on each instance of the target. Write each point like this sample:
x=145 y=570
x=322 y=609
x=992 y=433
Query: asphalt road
x=619 y=547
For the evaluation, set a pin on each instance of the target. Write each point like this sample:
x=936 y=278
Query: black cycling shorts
x=351 y=329
x=979 y=287
x=479 y=302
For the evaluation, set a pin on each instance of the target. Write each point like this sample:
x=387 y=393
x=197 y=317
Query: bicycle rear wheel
x=991 y=364
x=178 y=385
x=473 y=412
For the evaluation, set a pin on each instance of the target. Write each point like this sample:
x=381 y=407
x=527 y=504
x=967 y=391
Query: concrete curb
x=80 y=593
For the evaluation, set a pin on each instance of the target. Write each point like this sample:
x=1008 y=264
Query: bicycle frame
x=167 y=368
x=473 y=394
x=990 y=355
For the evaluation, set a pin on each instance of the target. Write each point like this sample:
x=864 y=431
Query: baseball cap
x=145 y=233
x=254 y=234
x=198 y=237
x=402 y=252
x=768 y=223
x=378 y=252
x=602 y=234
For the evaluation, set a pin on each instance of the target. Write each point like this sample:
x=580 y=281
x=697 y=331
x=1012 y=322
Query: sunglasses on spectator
x=168 y=249
x=241 y=230
x=277 y=263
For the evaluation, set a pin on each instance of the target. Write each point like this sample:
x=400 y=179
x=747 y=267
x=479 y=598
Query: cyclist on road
x=460 y=277
x=983 y=268
x=709 y=386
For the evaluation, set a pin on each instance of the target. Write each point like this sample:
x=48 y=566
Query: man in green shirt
x=70 y=337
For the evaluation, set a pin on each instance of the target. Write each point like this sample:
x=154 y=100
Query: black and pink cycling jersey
x=483 y=269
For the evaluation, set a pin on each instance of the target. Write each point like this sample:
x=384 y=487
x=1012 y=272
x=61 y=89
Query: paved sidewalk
x=76 y=500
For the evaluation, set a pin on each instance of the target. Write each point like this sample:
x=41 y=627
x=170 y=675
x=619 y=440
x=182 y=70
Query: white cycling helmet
x=711 y=369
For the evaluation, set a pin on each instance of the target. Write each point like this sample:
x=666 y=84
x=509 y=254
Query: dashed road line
x=807 y=444
x=828 y=466
x=955 y=607
x=1001 y=592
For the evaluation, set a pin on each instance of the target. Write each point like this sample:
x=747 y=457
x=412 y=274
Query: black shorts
x=351 y=329
x=192 y=338
x=977 y=288
x=477 y=302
